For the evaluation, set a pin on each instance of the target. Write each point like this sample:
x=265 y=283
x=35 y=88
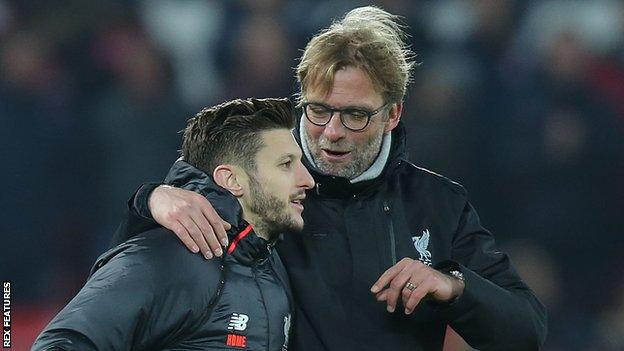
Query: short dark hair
x=230 y=132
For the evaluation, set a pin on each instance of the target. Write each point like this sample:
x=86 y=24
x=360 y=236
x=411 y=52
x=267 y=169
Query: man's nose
x=304 y=178
x=334 y=130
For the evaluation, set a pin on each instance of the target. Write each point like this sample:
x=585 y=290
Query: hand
x=191 y=217
x=428 y=282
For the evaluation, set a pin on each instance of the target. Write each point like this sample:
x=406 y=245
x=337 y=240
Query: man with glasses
x=353 y=118
x=391 y=253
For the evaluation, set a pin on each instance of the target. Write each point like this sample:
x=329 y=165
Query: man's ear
x=226 y=176
x=394 y=117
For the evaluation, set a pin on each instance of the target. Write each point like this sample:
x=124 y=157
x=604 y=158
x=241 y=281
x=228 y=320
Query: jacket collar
x=245 y=245
x=340 y=187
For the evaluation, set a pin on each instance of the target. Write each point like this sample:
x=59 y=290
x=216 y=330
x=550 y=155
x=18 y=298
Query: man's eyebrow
x=348 y=107
x=290 y=156
x=286 y=156
x=352 y=107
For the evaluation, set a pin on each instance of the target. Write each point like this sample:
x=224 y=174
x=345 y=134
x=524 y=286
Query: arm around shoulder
x=138 y=217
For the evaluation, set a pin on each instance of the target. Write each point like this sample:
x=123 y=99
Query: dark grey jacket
x=150 y=293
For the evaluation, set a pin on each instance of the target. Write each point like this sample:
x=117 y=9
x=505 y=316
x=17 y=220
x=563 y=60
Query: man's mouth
x=297 y=203
x=335 y=154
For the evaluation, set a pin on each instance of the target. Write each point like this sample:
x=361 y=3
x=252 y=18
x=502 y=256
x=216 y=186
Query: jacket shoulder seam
x=444 y=181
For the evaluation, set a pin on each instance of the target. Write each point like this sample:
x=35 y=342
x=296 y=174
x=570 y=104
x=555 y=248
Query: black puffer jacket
x=354 y=232
x=150 y=293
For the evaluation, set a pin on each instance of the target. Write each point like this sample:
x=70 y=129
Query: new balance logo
x=238 y=321
x=421 y=243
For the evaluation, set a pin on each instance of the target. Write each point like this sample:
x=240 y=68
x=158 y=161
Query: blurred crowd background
x=520 y=101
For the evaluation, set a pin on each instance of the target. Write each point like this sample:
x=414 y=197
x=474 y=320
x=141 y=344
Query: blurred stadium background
x=520 y=101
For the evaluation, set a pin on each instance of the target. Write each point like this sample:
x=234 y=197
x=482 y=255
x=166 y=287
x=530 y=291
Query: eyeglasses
x=354 y=119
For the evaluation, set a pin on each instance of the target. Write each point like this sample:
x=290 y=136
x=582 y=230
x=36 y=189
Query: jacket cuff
x=138 y=203
x=468 y=300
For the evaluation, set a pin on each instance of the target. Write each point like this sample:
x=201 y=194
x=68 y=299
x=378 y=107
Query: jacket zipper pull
x=386 y=207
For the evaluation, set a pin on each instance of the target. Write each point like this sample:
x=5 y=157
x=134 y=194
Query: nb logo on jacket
x=238 y=321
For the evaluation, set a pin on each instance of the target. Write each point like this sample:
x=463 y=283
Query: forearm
x=138 y=217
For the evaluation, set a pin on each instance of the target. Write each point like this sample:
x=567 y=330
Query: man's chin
x=292 y=226
x=296 y=225
x=336 y=169
x=330 y=168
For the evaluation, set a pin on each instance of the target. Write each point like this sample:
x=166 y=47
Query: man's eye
x=356 y=114
x=286 y=164
x=318 y=110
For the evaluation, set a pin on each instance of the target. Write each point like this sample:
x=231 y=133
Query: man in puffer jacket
x=150 y=293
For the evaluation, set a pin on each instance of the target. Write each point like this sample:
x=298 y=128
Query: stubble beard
x=361 y=159
x=274 y=217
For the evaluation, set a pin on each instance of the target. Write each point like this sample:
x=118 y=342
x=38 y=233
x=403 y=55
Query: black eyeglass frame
x=332 y=111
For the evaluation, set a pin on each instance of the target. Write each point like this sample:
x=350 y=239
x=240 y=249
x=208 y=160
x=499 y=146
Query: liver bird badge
x=421 y=243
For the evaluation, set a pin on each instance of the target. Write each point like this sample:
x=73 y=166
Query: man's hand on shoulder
x=191 y=217
x=412 y=281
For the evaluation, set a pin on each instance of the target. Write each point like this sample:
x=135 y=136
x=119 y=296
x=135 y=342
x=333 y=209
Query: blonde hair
x=368 y=38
